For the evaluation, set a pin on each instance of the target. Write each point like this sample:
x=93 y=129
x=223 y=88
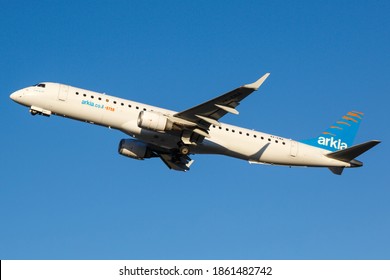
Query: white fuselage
x=122 y=114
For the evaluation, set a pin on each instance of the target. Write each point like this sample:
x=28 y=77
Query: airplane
x=174 y=136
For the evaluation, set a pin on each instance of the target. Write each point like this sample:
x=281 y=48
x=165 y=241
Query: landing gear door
x=294 y=148
x=63 y=92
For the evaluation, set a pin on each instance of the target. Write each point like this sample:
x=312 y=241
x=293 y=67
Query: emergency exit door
x=294 y=148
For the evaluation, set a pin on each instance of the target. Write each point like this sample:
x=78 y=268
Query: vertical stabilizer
x=340 y=135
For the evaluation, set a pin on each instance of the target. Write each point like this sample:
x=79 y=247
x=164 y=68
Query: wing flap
x=177 y=162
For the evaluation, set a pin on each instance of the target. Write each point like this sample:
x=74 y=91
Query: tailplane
x=340 y=135
x=336 y=170
x=349 y=155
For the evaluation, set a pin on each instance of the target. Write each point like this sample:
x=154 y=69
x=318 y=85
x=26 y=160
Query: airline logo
x=332 y=143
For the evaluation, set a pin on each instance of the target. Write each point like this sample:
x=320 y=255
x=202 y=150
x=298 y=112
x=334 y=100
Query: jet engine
x=154 y=121
x=134 y=149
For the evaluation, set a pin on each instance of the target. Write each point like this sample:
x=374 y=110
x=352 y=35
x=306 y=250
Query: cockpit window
x=40 y=85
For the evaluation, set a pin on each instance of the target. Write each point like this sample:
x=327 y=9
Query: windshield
x=40 y=85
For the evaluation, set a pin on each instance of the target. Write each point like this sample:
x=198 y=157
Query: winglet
x=258 y=83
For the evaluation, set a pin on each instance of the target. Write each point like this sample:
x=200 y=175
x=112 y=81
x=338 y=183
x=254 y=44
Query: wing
x=202 y=116
x=176 y=161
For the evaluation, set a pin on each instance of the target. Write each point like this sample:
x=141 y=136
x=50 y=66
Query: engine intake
x=154 y=121
x=134 y=149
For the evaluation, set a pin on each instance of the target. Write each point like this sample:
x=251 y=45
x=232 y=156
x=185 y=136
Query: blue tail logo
x=340 y=135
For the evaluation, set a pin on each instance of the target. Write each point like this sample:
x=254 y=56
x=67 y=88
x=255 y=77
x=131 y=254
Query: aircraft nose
x=15 y=95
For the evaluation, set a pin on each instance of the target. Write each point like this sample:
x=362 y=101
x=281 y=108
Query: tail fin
x=340 y=135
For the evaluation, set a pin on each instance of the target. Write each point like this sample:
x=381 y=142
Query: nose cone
x=13 y=96
x=16 y=95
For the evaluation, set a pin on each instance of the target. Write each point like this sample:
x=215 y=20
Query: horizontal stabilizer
x=353 y=152
x=336 y=170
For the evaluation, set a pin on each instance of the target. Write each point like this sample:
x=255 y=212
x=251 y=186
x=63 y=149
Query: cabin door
x=63 y=92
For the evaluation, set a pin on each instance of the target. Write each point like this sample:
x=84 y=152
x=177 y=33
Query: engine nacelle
x=154 y=121
x=134 y=149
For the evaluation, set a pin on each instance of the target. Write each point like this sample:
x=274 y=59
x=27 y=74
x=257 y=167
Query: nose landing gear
x=33 y=112
x=39 y=111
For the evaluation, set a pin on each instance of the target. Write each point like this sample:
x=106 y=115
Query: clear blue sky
x=65 y=193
